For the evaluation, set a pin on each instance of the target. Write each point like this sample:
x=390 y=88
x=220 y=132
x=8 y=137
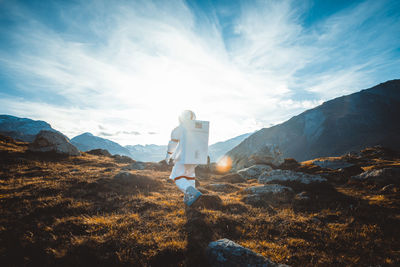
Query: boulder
x=267 y=155
x=293 y=179
x=232 y=178
x=334 y=164
x=254 y=171
x=266 y=194
x=122 y=159
x=226 y=188
x=289 y=164
x=49 y=141
x=99 y=152
x=138 y=165
x=225 y=252
x=381 y=176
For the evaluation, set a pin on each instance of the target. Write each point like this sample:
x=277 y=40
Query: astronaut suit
x=180 y=149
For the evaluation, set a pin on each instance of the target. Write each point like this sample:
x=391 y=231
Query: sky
x=124 y=70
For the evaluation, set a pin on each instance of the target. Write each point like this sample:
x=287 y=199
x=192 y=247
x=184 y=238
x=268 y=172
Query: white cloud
x=133 y=67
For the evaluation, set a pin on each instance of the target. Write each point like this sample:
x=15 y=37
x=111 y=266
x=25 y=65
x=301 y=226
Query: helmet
x=187 y=115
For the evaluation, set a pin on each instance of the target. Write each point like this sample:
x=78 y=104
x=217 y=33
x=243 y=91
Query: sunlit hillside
x=77 y=211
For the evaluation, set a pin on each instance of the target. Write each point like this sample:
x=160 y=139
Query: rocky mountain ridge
x=348 y=123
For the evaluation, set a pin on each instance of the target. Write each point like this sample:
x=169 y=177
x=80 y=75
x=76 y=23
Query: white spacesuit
x=188 y=148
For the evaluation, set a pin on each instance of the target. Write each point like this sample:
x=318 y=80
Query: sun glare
x=224 y=164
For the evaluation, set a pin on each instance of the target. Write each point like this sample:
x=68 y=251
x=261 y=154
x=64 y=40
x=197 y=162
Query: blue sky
x=125 y=69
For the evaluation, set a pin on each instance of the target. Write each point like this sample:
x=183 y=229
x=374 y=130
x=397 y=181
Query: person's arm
x=172 y=145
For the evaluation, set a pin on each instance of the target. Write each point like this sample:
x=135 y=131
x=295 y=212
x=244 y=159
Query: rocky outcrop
x=334 y=164
x=122 y=159
x=49 y=141
x=225 y=252
x=99 y=152
x=243 y=157
x=267 y=194
x=289 y=164
x=254 y=171
x=344 y=124
x=135 y=166
x=381 y=176
x=22 y=128
x=282 y=176
x=296 y=180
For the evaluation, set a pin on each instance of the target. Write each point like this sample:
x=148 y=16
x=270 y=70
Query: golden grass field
x=72 y=212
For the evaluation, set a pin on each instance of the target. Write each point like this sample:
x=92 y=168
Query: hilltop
x=344 y=124
x=80 y=211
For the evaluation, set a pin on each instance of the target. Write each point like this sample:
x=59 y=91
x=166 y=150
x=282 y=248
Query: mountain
x=219 y=149
x=147 y=153
x=88 y=141
x=22 y=128
x=348 y=123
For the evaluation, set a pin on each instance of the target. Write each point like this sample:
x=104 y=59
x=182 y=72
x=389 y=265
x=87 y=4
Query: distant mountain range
x=147 y=152
x=348 y=123
x=25 y=129
x=88 y=141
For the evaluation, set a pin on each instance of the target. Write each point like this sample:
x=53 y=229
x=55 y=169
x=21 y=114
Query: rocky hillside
x=94 y=210
x=348 y=123
x=88 y=141
x=22 y=128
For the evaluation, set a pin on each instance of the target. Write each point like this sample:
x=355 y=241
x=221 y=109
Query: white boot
x=191 y=195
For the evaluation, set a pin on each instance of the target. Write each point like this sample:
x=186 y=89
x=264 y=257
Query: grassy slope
x=70 y=211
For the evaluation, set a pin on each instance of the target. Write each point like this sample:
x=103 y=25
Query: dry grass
x=71 y=211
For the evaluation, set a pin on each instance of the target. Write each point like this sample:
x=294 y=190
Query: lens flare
x=224 y=164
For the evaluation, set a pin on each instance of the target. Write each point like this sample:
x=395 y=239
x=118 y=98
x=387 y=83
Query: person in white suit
x=183 y=173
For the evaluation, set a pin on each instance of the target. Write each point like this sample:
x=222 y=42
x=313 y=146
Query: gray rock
x=225 y=252
x=285 y=176
x=49 y=141
x=254 y=171
x=271 y=193
x=99 y=152
x=381 y=176
x=333 y=164
x=246 y=156
x=227 y=188
x=135 y=166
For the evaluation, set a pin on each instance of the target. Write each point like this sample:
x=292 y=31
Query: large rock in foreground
x=225 y=252
x=48 y=141
x=254 y=171
x=296 y=180
x=268 y=194
x=334 y=164
x=249 y=156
